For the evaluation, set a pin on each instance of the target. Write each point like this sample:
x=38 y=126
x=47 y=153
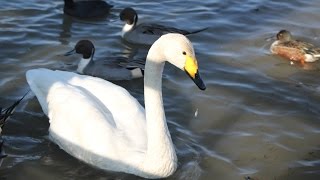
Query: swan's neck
x=83 y=64
x=161 y=156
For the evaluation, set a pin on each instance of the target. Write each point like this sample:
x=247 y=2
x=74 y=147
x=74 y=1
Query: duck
x=87 y=9
x=294 y=50
x=7 y=112
x=145 y=33
x=101 y=124
x=114 y=68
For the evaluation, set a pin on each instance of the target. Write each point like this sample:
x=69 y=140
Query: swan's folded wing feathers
x=117 y=99
x=102 y=108
x=77 y=124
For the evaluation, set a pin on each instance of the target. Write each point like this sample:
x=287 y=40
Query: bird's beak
x=73 y=51
x=191 y=68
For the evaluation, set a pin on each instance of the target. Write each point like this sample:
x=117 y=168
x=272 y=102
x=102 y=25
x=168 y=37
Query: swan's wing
x=118 y=100
x=89 y=104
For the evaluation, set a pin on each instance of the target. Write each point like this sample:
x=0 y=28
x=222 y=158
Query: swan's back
x=83 y=108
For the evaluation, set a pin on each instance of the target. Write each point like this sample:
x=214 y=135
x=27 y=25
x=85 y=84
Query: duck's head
x=86 y=49
x=284 y=35
x=178 y=50
x=83 y=47
x=129 y=15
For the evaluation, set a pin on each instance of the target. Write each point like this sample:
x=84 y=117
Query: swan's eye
x=184 y=53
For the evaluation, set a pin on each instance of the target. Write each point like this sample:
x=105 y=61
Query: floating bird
x=86 y=9
x=145 y=33
x=113 y=68
x=7 y=112
x=101 y=124
x=294 y=50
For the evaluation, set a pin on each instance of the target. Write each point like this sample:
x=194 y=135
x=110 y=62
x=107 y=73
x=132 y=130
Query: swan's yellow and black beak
x=191 y=68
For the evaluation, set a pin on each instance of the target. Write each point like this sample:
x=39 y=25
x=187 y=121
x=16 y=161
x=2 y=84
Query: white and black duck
x=111 y=68
x=146 y=33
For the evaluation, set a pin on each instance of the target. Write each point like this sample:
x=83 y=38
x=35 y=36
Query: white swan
x=145 y=33
x=114 y=68
x=102 y=124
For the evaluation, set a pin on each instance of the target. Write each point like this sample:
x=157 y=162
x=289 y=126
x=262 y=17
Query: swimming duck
x=145 y=33
x=101 y=124
x=294 y=50
x=7 y=112
x=86 y=9
x=114 y=68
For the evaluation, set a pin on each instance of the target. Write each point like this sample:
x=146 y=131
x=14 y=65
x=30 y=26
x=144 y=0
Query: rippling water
x=258 y=118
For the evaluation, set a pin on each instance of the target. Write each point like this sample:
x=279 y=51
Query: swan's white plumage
x=103 y=125
x=101 y=117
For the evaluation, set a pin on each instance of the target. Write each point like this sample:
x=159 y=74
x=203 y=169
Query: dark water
x=258 y=118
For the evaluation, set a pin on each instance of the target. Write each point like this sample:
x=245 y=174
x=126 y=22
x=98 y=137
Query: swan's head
x=129 y=15
x=83 y=47
x=178 y=50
